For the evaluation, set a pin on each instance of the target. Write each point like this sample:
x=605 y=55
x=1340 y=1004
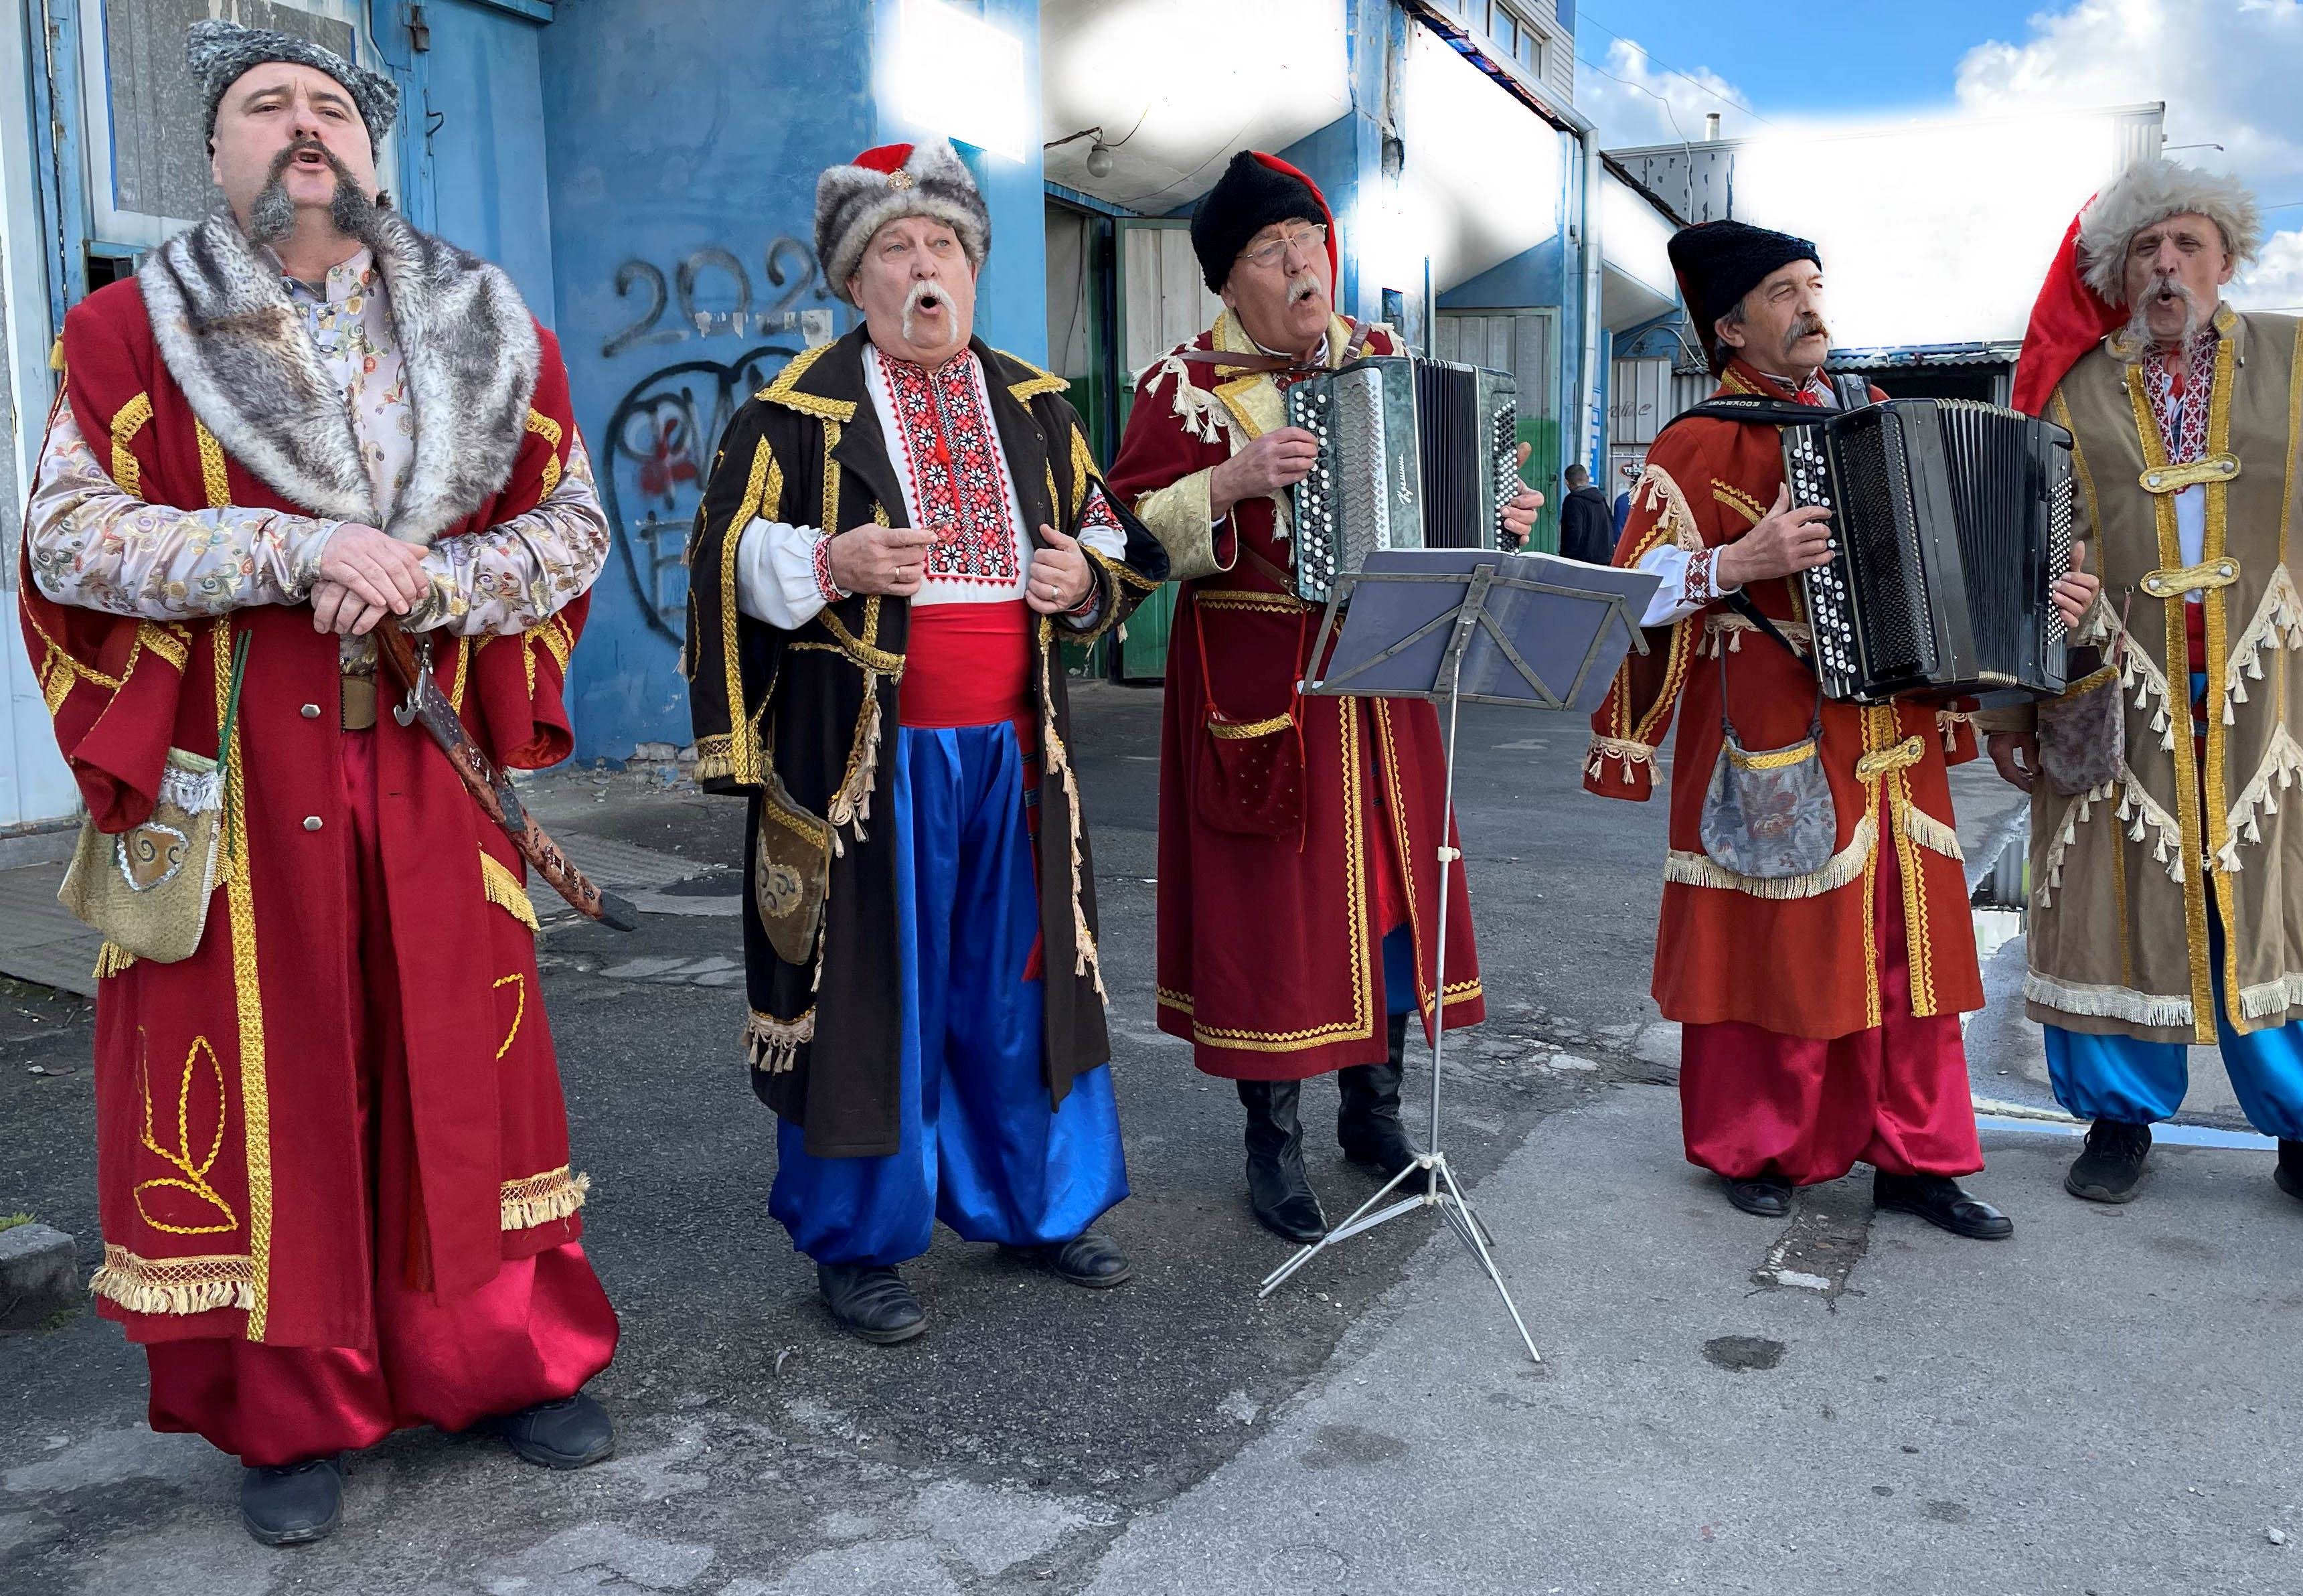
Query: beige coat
x=2122 y=877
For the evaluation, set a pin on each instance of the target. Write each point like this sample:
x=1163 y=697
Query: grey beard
x=273 y=216
x=2136 y=339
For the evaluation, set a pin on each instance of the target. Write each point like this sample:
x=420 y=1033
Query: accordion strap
x=1276 y=364
x=1741 y=603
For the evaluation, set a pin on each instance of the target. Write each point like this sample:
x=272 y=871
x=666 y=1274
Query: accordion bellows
x=1413 y=454
x=1953 y=523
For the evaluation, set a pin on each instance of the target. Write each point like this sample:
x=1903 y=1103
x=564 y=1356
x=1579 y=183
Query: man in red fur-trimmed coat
x=332 y=1156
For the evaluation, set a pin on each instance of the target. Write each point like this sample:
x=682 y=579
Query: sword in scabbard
x=489 y=786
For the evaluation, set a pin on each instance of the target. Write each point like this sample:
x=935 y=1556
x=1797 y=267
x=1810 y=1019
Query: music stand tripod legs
x=1441 y=1190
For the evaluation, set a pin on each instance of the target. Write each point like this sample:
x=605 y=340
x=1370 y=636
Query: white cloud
x=2227 y=70
x=1634 y=100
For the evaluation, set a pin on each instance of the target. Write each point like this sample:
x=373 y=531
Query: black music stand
x=1448 y=626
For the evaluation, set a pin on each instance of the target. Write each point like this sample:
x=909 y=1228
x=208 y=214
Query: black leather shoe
x=1767 y=1196
x=2288 y=1176
x=295 y=1504
x=1091 y=1259
x=871 y=1303
x=1278 y=1189
x=1940 y=1201
x=573 y=1432
x=1367 y=1125
x=2111 y=1168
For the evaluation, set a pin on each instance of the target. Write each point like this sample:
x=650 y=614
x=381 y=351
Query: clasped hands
x=893 y=561
x=364 y=576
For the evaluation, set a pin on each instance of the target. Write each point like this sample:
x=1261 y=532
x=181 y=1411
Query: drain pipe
x=1587 y=382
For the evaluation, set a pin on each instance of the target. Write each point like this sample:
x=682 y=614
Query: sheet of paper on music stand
x=1569 y=622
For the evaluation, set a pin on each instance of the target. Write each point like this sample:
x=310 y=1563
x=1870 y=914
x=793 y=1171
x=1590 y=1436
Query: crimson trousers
x=1755 y=1102
x=536 y=1333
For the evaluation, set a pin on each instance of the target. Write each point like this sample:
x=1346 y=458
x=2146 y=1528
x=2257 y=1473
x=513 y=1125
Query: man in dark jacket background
x=1587 y=531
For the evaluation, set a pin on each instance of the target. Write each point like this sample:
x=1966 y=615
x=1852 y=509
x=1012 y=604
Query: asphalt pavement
x=1725 y=1403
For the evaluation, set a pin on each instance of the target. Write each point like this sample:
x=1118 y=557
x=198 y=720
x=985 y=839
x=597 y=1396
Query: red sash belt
x=966 y=666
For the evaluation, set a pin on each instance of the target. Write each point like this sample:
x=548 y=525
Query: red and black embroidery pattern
x=952 y=454
x=2180 y=398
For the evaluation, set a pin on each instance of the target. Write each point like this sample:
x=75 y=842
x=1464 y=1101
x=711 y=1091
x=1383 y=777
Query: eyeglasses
x=1307 y=243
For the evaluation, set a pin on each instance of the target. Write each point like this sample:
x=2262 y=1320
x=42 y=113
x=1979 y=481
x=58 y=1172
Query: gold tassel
x=110 y=960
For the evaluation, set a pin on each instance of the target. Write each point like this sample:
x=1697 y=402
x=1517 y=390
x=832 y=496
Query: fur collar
x=238 y=348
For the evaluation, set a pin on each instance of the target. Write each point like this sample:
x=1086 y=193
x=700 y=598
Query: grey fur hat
x=855 y=201
x=2149 y=192
x=220 y=53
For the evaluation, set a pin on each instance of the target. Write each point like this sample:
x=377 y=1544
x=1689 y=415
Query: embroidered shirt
x=944 y=445
x=91 y=544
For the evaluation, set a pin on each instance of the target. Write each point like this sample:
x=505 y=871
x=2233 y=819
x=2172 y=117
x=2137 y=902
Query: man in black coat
x=1587 y=531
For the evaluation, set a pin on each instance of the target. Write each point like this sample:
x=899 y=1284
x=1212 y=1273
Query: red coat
x=230 y=1168
x=1805 y=964
x=1270 y=948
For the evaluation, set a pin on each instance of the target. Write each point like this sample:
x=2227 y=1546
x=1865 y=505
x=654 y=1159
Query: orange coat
x=1800 y=955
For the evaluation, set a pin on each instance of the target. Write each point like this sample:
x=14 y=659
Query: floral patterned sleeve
x=93 y=544
x=515 y=577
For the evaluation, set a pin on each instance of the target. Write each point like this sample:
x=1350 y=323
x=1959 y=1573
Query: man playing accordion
x=1819 y=1010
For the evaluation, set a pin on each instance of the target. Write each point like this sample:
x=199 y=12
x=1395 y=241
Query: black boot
x=1278 y=1189
x=573 y=1432
x=1091 y=1259
x=2288 y=1176
x=1367 y=1125
x=2112 y=1168
x=1767 y=1196
x=871 y=1303
x=295 y=1504
x=1940 y=1201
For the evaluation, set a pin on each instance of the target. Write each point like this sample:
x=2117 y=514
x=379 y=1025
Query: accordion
x=1413 y=454
x=1952 y=521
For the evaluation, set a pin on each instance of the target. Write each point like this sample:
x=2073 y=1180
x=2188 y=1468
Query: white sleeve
x=779 y=577
x=1689 y=583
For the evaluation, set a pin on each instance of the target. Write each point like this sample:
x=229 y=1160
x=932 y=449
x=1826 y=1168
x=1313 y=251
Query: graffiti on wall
x=659 y=438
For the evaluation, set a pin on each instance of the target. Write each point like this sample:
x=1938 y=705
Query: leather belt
x=357 y=696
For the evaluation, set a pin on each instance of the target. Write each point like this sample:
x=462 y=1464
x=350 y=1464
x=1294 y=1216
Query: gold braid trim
x=772 y=1046
x=196 y=1284
x=785 y=391
x=213 y=480
x=171 y=643
x=1040 y=382
x=543 y=426
x=1084 y=470
x=763 y=488
x=1059 y=762
x=502 y=889
x=540 y=1199
x=248 y=993
x=1736 y=499
x=125 y=425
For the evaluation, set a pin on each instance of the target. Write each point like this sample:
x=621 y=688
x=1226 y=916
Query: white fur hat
x=855 y=201
x=2149 y=192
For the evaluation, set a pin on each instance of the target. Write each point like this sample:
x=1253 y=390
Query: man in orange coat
x=1818 y=1013
x=333 y=1162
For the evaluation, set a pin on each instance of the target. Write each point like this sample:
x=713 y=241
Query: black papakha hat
x=1256 y=190
x=1717 y=263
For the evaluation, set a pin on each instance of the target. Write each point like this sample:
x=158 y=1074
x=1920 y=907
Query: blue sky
x=1868 y=55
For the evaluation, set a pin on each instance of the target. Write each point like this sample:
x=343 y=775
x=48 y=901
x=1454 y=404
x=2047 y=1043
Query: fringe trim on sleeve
x=503 y=890
x=2075 y=814
x=541 y=1199
x=772 y=1046
x=2143 y=813
x=198 y=1285
x=1931 y=834
x=1698 y=870
x=2169 y=1012
x=2273 y=997
x=110 y=960
x=1630 y=753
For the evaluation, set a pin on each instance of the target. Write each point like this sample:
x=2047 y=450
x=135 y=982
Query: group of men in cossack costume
x=335 y=1174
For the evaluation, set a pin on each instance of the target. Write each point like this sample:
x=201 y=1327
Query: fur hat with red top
x=855 y=201
x=1256 y=190
x=2081 y=303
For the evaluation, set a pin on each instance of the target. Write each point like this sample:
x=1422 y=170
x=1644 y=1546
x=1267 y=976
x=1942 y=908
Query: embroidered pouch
x=1768 y=814
x=2083 y=734
x=791 y=872
x=147 y=887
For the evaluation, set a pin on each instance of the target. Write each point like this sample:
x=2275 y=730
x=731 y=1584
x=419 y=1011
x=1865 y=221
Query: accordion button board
x=1951 y=523
x=1411 y=454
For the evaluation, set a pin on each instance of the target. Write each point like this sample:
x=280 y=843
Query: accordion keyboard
x=1312 y=407
x=1830 y=609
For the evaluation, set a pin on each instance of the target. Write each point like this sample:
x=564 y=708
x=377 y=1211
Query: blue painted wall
x=685 y=139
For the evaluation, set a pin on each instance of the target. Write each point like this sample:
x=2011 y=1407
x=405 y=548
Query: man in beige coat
x=2166 y=882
